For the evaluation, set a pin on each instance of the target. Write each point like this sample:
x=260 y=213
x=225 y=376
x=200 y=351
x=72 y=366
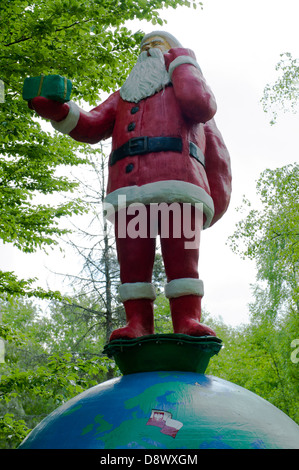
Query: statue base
x=163 y=352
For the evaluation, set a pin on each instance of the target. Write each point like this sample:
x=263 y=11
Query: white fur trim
x=69 y=123
x=160 y=191
x=182 y=59
x=137 y=290
x=184 y=286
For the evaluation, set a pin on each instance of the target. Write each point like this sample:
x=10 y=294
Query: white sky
x=237 y=45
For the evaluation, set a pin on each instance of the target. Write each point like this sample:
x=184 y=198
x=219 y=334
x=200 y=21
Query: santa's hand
x=49 y=109
x=172 y=54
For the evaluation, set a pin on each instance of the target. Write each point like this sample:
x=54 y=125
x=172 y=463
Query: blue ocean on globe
x=165 y=410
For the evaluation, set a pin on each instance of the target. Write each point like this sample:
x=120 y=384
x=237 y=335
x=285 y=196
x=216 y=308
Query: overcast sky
x=237 y=45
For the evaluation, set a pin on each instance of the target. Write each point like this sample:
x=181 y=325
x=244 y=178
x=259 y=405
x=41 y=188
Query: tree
x=94 y=247
x=48 y=361
x=86 y=42
x=256 y=356
x=283 y=95
x=270 y=236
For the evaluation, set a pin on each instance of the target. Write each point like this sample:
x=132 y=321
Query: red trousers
x=179 y=231
x=136 y=255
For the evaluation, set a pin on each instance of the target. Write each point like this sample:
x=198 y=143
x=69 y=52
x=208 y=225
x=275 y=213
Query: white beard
x=147 y=77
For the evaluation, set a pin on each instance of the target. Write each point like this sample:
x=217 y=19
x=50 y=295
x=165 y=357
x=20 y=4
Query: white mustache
x=153 y=52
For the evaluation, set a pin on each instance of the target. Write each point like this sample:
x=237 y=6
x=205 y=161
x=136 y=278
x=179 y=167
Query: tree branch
x=55 y=31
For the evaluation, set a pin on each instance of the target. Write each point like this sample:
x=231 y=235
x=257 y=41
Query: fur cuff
x=182 y=59
x=184 y=286
x=157 y=192
x=69 y=123
x=137 y=290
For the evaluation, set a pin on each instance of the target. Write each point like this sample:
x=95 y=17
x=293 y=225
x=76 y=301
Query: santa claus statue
x=168 y=153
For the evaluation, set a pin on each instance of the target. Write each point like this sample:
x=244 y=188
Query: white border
x=182 y=59
x=157 y=192
x=184 y=286
x=69 y=123
x=137 y=290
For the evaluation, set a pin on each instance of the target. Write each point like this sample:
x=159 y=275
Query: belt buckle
x=138 y=145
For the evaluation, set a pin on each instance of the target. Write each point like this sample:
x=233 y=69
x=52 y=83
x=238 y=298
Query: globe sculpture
x=165 y=406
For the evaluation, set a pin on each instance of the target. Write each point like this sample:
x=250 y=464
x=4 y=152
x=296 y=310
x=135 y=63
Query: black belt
x=143 y=145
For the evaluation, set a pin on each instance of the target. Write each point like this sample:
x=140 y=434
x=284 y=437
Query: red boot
x=186 y=314
x=137 y=298
x=185 y=305
x=140 y=320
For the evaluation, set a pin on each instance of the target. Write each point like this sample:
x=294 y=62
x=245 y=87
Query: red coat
x=184 y=109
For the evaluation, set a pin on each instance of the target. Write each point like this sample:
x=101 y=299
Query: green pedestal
x=166 y=352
